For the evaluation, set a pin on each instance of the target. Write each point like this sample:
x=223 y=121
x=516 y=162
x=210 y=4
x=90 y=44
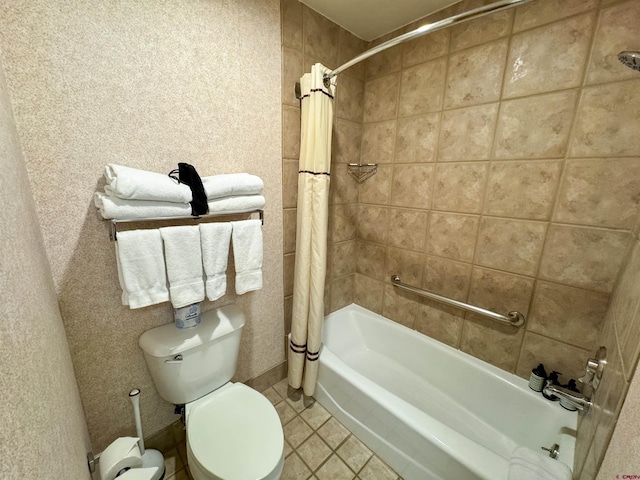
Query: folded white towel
x=527 y=464
x=120 y=209
x=247 y=255
x=232 y=185
x=184 y=264
x=214 y=238
x=131 y=183
x=236 y=204
x=142 y=267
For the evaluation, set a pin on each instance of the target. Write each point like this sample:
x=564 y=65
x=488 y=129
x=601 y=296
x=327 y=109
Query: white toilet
x=233 y=432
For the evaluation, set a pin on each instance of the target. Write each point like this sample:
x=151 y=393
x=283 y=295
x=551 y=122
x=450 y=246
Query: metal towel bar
x=114 y=223
x=515 y=319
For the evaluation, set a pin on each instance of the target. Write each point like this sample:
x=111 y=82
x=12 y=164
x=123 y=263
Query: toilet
x=233 y=432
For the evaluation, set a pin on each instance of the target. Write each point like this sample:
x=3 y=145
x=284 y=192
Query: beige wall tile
x=377 y=189
x=371 y=260
x=492 y=342
x=290 y=132
x=349 y=98
x=568 y=314
x=291 y=13
x=606 y=121
x=342 y=188
x=373 y=223
x=378 y=141
x=422 y=88
x=290 y=220
x=600 y=192
x=291 y=73
x=320 y=37
x=459 y=187
x=630 y=346
x=400 y=306
x=532 y=68
x=385 y=62
x=412 y=185
x=344 y=221
x=350 y=47
x=475 y=75
x=368 y=293
x=481 y=30
x=343 y=259
x=289 y=183
x=555 y=355
x=535 y=127
x=617 y=29
x=522 y=189
x=583 y=257
x=407 y=228
x=381 y=98
x=341 y=292
x=499 y=291
x=289 y=269
x=440 y=322
x=624 y=301
x=346 y=138
x=404 y=263
x=417 y=138
x=446 y=277
x=511 y=245
x=541 y=12
x=425 y=48
x=452 y=235
x=467 y=133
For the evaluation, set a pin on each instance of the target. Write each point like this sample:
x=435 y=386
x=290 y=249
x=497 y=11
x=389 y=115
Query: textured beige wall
x=146 y=84
x=43 y=434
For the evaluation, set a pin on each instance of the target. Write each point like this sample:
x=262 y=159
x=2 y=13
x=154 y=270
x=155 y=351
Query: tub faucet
x=575 y=398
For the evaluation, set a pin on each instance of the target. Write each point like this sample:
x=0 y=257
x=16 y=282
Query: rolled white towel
x=527 y=464
x=121 y=209
x=245 y=203
x=134 y=184
x=183 y=254
x=232 y=185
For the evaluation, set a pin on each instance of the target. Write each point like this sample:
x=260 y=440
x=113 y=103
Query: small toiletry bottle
x=553 y=377
x=537 y=378
x=566 y=403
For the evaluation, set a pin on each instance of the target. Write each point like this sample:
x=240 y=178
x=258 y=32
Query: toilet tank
x=186 y=364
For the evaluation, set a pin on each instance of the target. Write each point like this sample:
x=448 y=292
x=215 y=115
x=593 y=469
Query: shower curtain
x=311 y=233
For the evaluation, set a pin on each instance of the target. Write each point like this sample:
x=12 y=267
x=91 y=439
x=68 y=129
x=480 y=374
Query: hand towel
x=232 y=185
x=125 y=295
x=143 y=268
x=131 y=183
x=247 y=255
x=184 y=264
x=527 y=464
x=245 y=203
x=121 y=209
x=214 y=238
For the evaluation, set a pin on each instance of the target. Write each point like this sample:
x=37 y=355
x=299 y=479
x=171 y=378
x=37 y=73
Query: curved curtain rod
x=425 y=29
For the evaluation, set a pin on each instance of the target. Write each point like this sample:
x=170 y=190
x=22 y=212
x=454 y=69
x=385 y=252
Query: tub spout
x=575 y=398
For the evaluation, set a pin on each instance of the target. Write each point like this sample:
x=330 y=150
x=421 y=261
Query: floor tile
x=354 y=453
x=333 y=432
x=314 y=451
x=295 y=469
x=315 y=415
x=285 y=412
x=273 y=396
x=299 y=401
x=172 y=462
x=296 y=432
x=376 y=469
x=335 y=469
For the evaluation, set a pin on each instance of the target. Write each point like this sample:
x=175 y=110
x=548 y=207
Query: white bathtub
x=429 y=410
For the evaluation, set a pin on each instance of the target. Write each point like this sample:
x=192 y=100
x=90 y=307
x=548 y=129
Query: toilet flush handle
x=176 y=359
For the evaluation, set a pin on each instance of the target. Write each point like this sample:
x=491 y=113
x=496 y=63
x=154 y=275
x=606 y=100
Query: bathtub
x=431 y=411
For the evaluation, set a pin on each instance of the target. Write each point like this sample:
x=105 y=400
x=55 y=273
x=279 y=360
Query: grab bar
x=515 y=319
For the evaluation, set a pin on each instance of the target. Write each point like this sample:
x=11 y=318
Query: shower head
x=630 y=59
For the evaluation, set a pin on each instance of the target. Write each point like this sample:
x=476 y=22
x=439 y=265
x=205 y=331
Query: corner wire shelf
x=514 y=319
x=361 y=171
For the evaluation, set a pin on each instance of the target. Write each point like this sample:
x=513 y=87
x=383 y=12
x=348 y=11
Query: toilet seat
x=235 y=433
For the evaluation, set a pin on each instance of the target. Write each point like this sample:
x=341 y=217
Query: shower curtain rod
x=425 y=29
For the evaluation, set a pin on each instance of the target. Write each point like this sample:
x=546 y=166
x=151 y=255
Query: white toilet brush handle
x=134 y=395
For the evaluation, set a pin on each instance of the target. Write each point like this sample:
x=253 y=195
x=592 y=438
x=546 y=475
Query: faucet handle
x=594 y=368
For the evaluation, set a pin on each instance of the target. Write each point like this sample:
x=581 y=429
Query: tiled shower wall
x=508 y=178
x=308 y=38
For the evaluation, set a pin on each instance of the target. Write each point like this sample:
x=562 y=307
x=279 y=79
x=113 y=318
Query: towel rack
x=515 y=319
x=114 y=223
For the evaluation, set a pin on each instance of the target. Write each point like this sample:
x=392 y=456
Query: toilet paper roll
x=122 y=453
x=138 y=474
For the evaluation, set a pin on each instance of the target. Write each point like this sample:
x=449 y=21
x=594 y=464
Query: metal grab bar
x=515 y=319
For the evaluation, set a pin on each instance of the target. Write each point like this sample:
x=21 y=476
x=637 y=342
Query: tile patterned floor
x=317 y=446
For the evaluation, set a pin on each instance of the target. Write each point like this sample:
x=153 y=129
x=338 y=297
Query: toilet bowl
x=233 y=431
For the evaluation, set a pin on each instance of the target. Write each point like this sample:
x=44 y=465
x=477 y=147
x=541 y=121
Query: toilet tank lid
x=167 y=340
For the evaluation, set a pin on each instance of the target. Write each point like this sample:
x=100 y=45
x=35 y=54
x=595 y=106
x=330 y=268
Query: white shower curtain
x=311 y=234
